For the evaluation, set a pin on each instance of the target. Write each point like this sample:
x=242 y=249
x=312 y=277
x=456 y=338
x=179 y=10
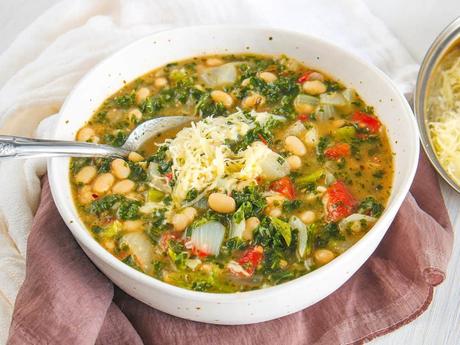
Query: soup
x=443 y=109
x=282 y=170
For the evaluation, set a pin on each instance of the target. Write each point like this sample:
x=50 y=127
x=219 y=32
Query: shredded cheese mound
x=445 y=124
x=203 y=160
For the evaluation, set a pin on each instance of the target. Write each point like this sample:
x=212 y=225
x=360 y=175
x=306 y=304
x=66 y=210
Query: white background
x=416 y=23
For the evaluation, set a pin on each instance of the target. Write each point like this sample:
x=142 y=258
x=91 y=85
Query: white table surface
x=416 y=23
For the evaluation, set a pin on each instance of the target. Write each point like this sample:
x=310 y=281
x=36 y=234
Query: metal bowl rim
x=443 y=42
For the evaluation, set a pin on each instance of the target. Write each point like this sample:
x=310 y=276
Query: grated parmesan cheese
x=445 y=124
x=202 y=159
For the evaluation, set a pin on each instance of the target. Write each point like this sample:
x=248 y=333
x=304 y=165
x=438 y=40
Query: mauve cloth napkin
x=66 y=300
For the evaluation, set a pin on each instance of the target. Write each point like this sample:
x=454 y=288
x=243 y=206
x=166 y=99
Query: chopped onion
x=237 y=229
x=208 y=237
x=297 y=129
x=218 y=76
x=302 y=239
x=333 y=98
x=306 y=99
x=140 y=247
x=192 y=263
x=311 y=137
x=156 y=180
x=326 y=112
x=329 y=178
x=355 y=217
x=152 y=170
x=262 y=117
x=236 y=268
x=274 y=166
x=349 y=95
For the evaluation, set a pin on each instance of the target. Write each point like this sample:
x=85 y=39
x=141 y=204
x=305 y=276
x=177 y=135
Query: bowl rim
x=82 y=235
x=448 y=38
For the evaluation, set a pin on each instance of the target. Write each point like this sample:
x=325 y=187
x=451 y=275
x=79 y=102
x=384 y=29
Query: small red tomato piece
x=371 y=123
x=251 y=258
x=262 y=139
x=166 y=236
x=338 y=202
x=284 y=186
x=169 y=176
x=199 y=253
x=337 y=151
x=304 y=77
x=303 y=117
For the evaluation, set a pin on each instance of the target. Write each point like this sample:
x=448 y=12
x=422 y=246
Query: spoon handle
x=19 y=147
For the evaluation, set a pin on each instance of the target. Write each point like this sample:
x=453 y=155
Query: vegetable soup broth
x=283 y=171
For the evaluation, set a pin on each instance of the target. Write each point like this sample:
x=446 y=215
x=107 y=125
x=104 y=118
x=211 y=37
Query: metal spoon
x=19 y=147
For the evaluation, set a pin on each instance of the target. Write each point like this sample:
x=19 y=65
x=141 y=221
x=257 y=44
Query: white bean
x=274 y=212
x=222 y=97
x=120 y=168
x=268 y=77
x=275 y=200
x=142 y=94
x=251 y=224
x=180 y=221
x=221 y=203
x=294 y=162
x=86 y=174
x=307 y=217
x=133 y=225
x=252 y=101
x=103 y=183
x=190 y=212
x=123 y=187
x=295 y=145
x=314 y=87
x=323 y=256
x=135 y=157
x=85 y=134
x=85 y=195
x=134 y=115
x=160 y=82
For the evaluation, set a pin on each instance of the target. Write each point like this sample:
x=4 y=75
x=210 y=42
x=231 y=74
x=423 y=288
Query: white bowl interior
x=151 y=52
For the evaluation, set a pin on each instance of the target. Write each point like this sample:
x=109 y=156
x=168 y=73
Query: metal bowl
x=446 y=40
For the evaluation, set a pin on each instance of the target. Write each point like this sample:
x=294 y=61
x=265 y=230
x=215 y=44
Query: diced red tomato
x=166 y=236
x=284 y=186
x=251 y=258
x=338 y=202
x=169 y=176
x=303 y=117
x=199 y=253
x=337 y=151
x=304 y=77
x=371 y=123
x=262 y=139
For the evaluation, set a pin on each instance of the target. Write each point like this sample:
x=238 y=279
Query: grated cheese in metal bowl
x=444 y=125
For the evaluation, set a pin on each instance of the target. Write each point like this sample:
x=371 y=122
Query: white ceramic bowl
x=153 y=51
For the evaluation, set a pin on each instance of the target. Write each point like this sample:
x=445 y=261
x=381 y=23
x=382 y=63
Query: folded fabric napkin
x=66 y=300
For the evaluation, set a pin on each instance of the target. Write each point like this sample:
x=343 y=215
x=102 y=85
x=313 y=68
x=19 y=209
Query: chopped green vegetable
x=310 y=178
x=370 y=207
x=154 y=195
x=283 y=227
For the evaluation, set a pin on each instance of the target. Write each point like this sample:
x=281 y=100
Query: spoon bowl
x=20 y=147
